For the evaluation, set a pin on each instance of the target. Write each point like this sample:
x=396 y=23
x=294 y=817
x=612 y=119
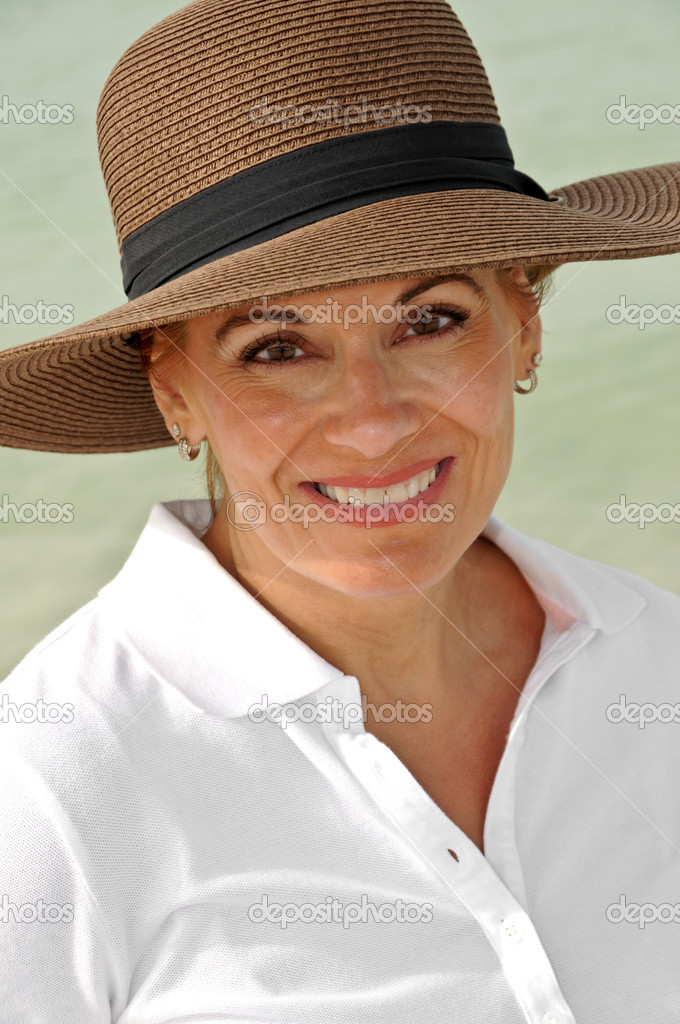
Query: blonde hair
x=161 y=348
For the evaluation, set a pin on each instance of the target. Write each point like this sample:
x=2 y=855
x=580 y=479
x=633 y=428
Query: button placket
x=499 y=832
x=462 y=867
x=511 y=930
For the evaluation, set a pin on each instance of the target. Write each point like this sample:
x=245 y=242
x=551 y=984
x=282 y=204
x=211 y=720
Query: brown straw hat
x=257 y=148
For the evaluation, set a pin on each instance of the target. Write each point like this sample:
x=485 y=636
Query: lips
x=426 y=497
x=397 y=476
x=387 y=494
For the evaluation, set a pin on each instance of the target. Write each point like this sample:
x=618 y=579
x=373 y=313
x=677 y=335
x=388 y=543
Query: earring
x=185 y=450
x=536 y=359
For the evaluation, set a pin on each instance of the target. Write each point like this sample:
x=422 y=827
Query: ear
x=531 y=334
x=175 y=408
x=529 y=331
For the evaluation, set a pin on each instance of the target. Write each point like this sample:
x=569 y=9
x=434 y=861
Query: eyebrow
x=237 y=320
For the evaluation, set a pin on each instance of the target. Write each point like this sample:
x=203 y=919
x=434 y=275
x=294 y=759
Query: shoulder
x=657 y=599
x=81 y=709
x=79 y=715
x=613 y=599
x=91 y=649
x=84 y=655
x=637 y=645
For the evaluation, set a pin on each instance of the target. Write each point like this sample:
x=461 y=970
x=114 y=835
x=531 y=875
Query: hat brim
x=82 y=390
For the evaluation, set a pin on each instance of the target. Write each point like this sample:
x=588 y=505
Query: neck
x=415 y=645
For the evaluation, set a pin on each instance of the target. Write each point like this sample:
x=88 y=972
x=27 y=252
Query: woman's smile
x=414 y=492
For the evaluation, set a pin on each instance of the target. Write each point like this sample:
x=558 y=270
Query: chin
x=405 y=573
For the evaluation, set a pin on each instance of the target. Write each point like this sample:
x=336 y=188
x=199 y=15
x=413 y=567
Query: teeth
x=381 y=496
x=413 y=486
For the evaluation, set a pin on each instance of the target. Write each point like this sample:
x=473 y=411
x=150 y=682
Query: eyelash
x=283 y=338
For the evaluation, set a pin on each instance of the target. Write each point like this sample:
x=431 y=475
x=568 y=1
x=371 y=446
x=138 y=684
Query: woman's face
x=344 y=397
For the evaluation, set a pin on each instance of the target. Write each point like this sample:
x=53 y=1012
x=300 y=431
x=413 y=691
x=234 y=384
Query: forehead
x=403 y=290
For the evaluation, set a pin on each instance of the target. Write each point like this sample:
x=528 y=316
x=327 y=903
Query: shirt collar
x=590 y=591
x=203 y=632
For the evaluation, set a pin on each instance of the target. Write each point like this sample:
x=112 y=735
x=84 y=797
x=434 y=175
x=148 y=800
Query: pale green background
x=604 y=420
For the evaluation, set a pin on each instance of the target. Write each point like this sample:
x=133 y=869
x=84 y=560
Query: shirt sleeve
x=57 y=959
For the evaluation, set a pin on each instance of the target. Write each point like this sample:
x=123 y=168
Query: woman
x=314 y=755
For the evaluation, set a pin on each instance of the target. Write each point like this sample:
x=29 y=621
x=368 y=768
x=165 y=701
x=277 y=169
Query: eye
x=279 y=348
x=429 y=323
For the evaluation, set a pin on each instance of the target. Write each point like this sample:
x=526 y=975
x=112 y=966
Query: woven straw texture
x=174 y=119
x=196 y=76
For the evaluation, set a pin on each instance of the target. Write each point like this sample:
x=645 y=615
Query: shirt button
x=553 y=1018
x=512 y=930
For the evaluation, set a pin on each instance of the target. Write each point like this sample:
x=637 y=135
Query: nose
x=370 y=411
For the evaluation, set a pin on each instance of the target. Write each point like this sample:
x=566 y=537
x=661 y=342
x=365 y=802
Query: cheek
x=250 y=426
x=475 y=390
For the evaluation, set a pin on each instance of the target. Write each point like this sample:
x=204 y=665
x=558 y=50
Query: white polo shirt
x=169 y=853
